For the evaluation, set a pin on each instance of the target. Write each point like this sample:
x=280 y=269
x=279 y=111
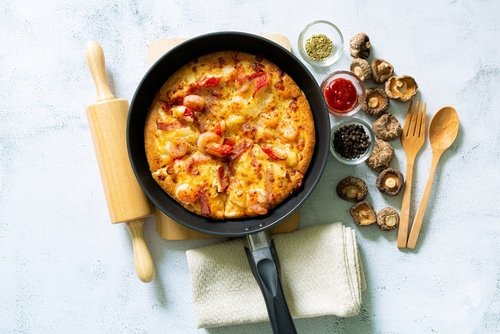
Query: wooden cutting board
x=167 y=228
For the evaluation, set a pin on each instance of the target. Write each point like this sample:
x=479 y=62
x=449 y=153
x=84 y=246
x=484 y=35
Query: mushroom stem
x=351 y=193
x=401 y=86
x=391 y=221
x=373 y=102
x=390 y=183
x=382 y=67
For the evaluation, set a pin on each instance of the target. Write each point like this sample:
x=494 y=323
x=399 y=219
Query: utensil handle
x=95 y=61
x=417 y=222
x=144 y=266
x=264 y=263
x=405 y=207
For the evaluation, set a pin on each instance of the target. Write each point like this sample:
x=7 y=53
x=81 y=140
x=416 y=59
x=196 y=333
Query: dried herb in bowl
x=319 y=47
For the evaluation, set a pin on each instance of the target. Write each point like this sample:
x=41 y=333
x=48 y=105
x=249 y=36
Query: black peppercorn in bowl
x=351 y=141
x=321 y=43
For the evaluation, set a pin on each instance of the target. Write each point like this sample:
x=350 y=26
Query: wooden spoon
x=442 y=133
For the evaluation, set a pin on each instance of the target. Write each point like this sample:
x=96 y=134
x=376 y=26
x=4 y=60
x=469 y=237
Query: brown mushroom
x=359 y=46
x=387 y=219
x=401 y=88
x=363 y=214
x=352 y=189
x=376 y=102
x=381 y=156
x=381 y=70
x=390 y=181
x=387 y=127
x=361 y=68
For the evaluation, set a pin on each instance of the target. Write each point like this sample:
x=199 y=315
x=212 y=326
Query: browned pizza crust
x=229 y=135
x=153 y=153
x=307 y=133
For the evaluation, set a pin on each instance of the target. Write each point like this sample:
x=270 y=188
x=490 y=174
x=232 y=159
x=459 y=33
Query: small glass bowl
x=369 y=133
x=332 y=32
x=358 y=85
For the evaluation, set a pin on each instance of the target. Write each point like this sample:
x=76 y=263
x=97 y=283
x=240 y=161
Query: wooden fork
x=412 y=140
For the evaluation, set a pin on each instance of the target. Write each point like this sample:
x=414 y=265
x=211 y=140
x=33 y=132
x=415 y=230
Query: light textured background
x=65 y=269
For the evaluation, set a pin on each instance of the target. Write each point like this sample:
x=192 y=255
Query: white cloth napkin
x=321 y=273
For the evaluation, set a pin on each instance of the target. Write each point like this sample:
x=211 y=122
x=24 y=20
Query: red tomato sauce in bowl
x=343 y=92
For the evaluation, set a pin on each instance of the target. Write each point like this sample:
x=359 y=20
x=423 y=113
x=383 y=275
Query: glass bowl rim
x=329 y=61
x=369 y=132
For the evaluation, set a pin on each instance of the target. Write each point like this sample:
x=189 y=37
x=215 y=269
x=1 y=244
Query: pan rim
x=204 y=44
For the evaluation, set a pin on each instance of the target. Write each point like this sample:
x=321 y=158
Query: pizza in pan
x=229 y=135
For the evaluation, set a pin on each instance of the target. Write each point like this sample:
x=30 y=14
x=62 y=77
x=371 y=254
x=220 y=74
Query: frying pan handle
x=264 y=262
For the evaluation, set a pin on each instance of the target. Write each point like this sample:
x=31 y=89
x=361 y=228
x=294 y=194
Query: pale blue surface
x=65 y=269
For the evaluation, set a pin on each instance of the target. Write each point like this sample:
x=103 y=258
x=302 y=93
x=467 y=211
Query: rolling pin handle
x=95 y=61
x=143 y=262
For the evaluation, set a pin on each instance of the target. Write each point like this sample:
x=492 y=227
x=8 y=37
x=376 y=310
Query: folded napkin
x=321 y=273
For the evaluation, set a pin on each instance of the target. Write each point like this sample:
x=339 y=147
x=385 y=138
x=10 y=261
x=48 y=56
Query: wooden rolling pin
x=126 y=201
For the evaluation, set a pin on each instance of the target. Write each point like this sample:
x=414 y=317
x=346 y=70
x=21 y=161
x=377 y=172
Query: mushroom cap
x=381 y=70
x=363 y=214
x=376 y=102
x=352 y=189
x=388 y=219
x=381 y=156
x=359 y=46
x=387 y=127
x=361 y=68
x=401 y=88
x=390 y=181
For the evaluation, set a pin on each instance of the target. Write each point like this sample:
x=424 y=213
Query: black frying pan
x=261 y=253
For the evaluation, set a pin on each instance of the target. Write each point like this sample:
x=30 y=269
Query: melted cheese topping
x=238 y=144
